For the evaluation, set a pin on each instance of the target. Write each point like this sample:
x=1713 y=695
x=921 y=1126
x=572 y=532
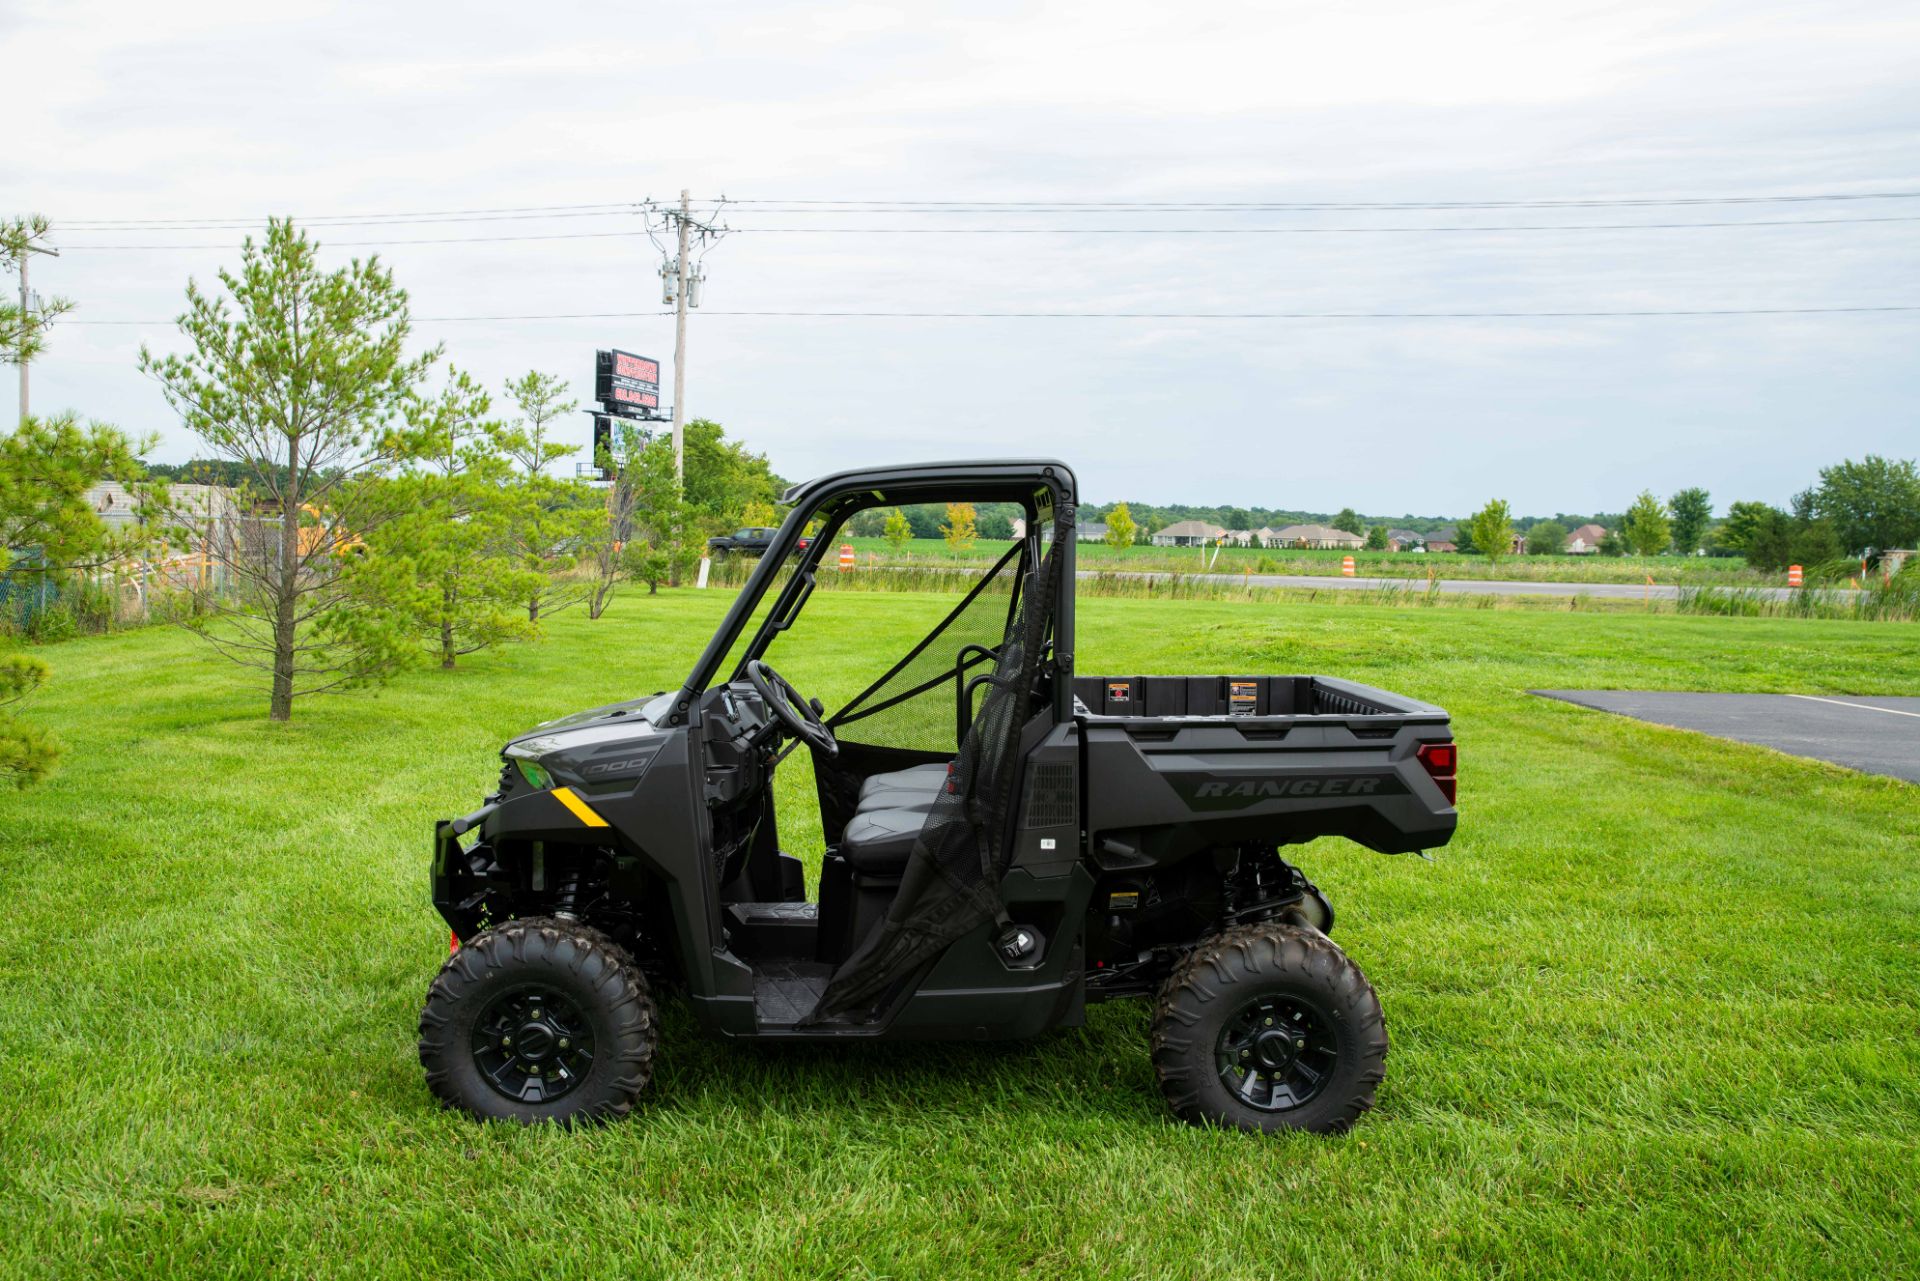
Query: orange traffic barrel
x=1346 y=566
x=846 y=555
x=1794 y=578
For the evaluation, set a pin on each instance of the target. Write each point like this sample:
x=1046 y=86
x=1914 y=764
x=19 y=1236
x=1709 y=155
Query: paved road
x=1462 y=586
x=1876 y=734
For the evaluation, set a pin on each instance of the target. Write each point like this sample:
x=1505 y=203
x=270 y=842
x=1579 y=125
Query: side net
x=951 y=885
x=914 y=705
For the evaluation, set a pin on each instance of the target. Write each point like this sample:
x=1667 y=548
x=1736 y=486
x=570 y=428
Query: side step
x=784 y=992
x=773 y=931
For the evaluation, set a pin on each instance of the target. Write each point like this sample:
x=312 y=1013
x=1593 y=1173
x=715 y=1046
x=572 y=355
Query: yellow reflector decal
x=579 y=807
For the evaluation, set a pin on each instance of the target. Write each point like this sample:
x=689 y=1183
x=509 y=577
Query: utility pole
x=682 y=280
x=679 y=347
x=26 y=319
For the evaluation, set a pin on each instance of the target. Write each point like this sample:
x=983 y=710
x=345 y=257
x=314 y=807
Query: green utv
x=1006 y=841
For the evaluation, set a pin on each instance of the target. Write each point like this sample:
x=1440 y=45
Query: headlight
x=534 y=773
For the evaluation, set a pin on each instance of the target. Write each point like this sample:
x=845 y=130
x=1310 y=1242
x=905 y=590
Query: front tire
x=539 y=1020
x=1269 y=1027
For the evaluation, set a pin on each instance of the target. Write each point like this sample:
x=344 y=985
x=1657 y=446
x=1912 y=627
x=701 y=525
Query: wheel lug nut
x=564 y=1043
x=506 y=1040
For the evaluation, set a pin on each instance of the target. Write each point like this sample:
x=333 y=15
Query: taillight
x=1442 y=763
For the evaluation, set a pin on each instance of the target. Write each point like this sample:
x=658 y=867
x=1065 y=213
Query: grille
x=1052 y=797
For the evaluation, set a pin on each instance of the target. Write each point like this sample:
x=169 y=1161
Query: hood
x=615 y=720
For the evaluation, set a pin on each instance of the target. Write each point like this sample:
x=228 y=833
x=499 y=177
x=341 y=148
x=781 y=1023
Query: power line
x=939 y=206
x=1165 y=315
x=350 y=244
x=1460 y=229
x=1309 y=231
x=856 y=205
x=211 y=222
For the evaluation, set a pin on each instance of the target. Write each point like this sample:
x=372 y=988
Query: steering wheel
x=801 y=718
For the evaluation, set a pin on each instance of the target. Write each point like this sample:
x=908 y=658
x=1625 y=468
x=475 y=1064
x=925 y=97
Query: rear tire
x=539 y=1020
x=1269 y=1027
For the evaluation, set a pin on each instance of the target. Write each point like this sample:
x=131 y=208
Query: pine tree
x=444 y=561
x=301 y=375
x=27 y=752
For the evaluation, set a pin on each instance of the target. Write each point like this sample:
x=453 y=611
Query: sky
x=228 y=112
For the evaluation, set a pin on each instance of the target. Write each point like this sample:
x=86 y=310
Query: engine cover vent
x=1052 y=796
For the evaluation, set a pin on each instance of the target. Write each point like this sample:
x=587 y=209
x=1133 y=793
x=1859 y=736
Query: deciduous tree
x=1692 y=511
x=1377 y=540
x=1768 y=543
x=1743 y=521
x=1874 y=503
x=606 y=546
x=898 y=529
x=1121 y=529
x=1491 y=529
x=661 y=548
x=1647 y=528
x=1348 y=521
x=1547 y=538
x=960 y=530
x=302 y=375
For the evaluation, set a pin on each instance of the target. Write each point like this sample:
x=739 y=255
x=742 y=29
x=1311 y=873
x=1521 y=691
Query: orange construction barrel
x=1794 y=578
x=846 y=555
x=1346 y=566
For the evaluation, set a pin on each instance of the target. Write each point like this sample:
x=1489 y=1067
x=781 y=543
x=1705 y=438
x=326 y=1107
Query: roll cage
x=1046 y=490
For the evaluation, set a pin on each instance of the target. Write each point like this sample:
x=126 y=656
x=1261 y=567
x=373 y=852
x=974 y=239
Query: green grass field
x=1652 y=1013
x=1672 y=570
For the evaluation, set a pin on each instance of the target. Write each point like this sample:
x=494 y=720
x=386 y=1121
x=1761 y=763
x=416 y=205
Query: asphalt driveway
x=1876 y=734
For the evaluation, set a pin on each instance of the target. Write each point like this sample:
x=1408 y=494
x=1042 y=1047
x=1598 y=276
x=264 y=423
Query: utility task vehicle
x=1006 y=841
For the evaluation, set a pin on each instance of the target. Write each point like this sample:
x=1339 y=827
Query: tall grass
x=1729 y=571
x=1878 y=600
x=953 y=577
x=1885 y=600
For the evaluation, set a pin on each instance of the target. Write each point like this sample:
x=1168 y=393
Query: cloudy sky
x=225 y=113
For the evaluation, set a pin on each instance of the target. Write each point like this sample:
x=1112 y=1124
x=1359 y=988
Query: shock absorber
x=567 y=895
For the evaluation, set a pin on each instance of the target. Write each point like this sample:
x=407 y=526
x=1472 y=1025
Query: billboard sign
x=605 y=429
x=627 y=384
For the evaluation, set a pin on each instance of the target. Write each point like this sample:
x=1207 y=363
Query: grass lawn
x=1654 y=1012
x=1668 y=570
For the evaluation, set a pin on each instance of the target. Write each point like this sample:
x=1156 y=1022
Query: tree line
x=1854 y=509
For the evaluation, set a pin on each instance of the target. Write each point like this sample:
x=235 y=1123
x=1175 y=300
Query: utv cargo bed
x=1173 y=761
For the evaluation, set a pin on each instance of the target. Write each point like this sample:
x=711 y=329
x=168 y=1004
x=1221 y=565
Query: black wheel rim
x=1276 y=1054
x=533 y=1044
